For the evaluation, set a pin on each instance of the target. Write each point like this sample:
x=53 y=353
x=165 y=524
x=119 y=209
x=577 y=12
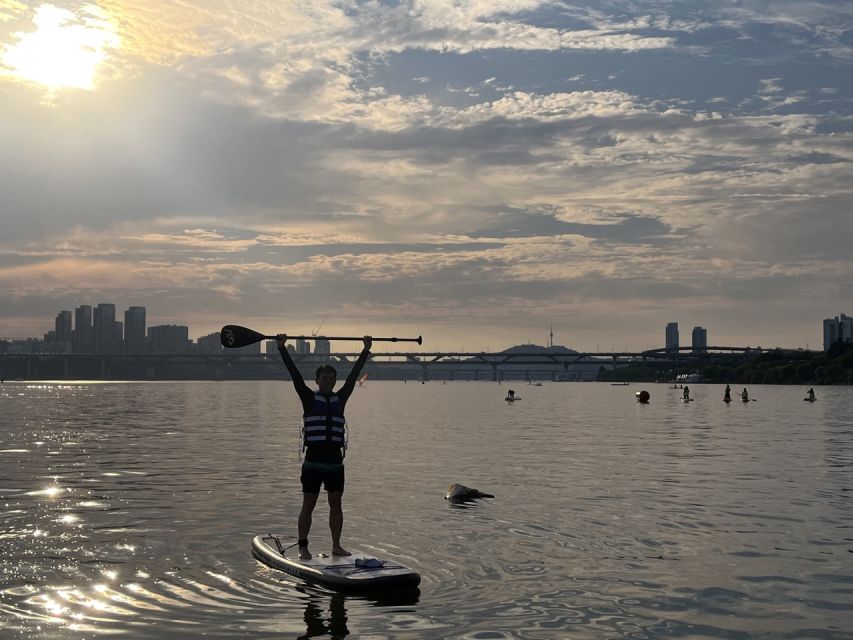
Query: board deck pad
x=356 y=572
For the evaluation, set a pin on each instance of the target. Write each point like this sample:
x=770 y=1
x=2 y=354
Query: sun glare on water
x=64 y=51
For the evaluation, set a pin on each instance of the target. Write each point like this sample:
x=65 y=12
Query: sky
x=473 y=171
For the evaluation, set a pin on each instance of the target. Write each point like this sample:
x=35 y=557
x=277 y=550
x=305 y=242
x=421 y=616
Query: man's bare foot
x=304 y=554
x=340 y=551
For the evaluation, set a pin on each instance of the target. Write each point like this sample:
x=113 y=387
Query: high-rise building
x=168 y=338
x=322 y=346
x=104 y=319
x=672 y=337
x=63 y=326
x=210 y=343
x=82 y=341
x=134 y=330
x=302 y=346
x=118 y=337
x=837 y=329
x=699 y=342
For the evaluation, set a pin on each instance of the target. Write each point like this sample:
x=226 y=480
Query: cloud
x=606 y=159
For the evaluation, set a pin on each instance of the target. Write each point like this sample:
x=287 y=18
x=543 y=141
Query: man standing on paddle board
x=323 y=440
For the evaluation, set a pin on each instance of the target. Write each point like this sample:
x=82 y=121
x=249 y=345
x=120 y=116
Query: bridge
x=395 y=365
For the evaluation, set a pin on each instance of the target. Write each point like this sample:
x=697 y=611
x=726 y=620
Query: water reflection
x=326 y=617
x=326 y=613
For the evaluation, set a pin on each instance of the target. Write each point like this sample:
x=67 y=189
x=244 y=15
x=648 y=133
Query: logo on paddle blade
x=228 y=337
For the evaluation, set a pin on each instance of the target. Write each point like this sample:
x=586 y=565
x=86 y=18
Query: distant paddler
x=686 y=393
x=727 y=394
x=744 y=395
x=811 y=396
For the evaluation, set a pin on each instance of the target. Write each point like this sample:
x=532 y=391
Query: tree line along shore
x=834 y=366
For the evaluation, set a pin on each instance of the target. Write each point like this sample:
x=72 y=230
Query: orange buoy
x=643 y=396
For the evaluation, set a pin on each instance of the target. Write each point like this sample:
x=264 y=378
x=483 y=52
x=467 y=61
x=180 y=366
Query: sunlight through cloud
x=64 y=51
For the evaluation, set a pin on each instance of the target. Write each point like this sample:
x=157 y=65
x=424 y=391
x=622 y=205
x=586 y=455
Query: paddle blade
x=233 y=336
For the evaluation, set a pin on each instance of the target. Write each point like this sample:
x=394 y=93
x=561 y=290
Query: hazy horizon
x=472 y=171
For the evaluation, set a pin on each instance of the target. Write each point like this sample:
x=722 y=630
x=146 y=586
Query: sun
x=64 y=51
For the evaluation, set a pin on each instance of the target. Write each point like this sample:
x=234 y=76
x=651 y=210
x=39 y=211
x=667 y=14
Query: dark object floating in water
x=461 y=493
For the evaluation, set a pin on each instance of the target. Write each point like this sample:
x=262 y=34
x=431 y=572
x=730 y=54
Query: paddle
x=233 y=336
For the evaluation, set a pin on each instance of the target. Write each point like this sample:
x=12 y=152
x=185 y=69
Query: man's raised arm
x=292 y=369
x=349 y=385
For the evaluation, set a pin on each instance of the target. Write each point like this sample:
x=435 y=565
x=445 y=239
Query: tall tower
x=837 y=329
x=322 y=346
x=82 y=340
x=302 y=346
x=672 y=337
x=699 y=342
x=62 y=326
x=134 y=330
x=104 y=328
x=551 y=336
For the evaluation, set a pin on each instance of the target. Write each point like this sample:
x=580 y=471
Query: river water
x=128 y=509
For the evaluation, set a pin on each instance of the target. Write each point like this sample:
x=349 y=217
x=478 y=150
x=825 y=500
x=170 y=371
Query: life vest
x=324 y=422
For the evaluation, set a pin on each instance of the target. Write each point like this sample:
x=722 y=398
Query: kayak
x=356 y=572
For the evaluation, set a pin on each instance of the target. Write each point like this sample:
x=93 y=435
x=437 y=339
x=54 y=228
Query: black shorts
x=315 y=474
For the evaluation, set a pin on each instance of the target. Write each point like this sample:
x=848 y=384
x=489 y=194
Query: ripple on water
x=610 y=522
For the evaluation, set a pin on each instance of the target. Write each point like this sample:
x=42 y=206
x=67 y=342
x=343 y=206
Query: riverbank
x=834 y=366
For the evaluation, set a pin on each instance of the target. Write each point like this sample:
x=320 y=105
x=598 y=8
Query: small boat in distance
x=689 y=377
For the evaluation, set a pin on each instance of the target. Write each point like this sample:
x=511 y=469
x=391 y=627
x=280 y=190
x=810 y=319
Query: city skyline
x=467 y=171
x=135 y=335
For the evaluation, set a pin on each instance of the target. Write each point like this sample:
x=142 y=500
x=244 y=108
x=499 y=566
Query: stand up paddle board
x=357 y=572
